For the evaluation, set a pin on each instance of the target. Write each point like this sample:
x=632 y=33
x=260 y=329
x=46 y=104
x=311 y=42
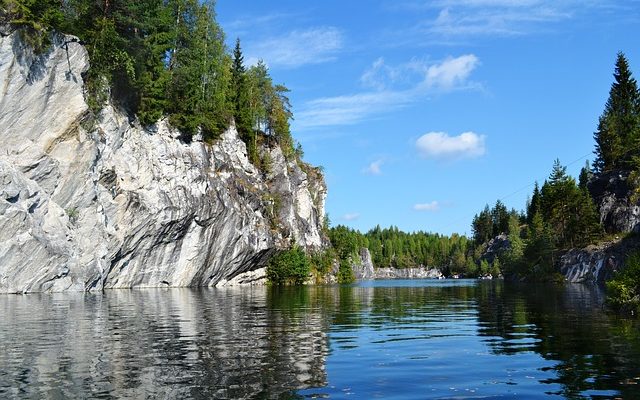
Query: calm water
x=385 y=339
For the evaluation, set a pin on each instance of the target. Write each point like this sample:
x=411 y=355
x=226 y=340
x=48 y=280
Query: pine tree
x=538 y=251
x=618 y=134
x=500 y=219
x=482 y=226
x=241 y=101
x=585 y=176
x=534 y=204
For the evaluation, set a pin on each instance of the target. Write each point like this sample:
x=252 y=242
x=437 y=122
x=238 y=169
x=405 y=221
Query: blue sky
x=421 y=112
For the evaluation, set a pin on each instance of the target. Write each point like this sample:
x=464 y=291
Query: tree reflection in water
x=401 y=338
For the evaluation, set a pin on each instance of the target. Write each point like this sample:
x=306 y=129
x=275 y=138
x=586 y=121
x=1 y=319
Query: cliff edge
x=93 y=202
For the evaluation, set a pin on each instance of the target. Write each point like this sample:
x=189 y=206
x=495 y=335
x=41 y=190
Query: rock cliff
x=92 y=202
x=597 y=264
x=614 y=198
x=363 y=270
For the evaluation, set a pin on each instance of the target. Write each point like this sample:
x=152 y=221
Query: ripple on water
x=392 y=339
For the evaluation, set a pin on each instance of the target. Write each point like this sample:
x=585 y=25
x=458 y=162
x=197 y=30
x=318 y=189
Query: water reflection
x=159 y=343
x=595 y=354
x=416 y=339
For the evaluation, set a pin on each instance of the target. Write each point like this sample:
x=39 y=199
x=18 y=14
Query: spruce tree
x=618 y=134
x=241 y=101
x=534 y=204
x=585 y=176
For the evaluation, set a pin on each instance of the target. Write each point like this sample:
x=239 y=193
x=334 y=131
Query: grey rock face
x=613 y=197
x=363 y=270
x=588 y=266
x=495 y=247
x=408 y=273
x=597 y=264
x=109 y=204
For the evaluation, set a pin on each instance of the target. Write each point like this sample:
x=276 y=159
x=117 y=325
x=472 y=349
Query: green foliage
x=483 y=270
x=273 y=206
x=568 y=210
x=289 y=267
x=344 y=241
x=321 y=263
x=491 y=222
x=35 y=17
x=618 y=134
x=623 y=292
x=496 y=268
x=513 y=257
x=163 y=58
x=73 y=215
x=345 y=272
x=393 y=248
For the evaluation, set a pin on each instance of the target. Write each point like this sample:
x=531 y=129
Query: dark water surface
x=385 y=339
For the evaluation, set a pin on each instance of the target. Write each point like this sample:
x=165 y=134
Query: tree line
x=164 y=58
x=561 y=213
x=391 y=247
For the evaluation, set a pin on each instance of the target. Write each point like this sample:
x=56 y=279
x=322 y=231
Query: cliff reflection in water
x=168 y=343
x=405 y=339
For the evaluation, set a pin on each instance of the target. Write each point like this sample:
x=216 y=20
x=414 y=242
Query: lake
x=381 y=339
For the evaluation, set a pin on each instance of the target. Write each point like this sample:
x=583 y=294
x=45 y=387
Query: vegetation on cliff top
x=157 y=58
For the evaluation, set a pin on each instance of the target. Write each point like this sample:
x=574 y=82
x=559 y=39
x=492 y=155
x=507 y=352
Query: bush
x=321 y=262
x=345 y=272
x=289 y=267
x=623 y=292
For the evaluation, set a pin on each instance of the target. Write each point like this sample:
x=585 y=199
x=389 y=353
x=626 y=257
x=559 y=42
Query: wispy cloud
x=493 y=20
x=439 y=145
x=374 y=168
x=432 y=206
x=348 y=110
x=468 y=18
x=393 y=87
x=351 y=216
x=247 y=22
x=298 y=47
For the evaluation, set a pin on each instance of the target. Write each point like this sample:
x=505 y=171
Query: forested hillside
x=564 y=213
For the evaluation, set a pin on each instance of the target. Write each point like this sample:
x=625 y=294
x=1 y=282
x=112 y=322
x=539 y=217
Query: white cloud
x=451 y=72
x=396 y=87
x=297 y=48
x=432 y=206
x=351 y=216
x=439 y=145
x=374 y=168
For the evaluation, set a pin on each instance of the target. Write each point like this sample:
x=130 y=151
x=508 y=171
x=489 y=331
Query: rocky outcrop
x=495 y=247
x=91 y=203
x=588 y=266
x=614 y=197
x=363 y=269
x=596 y=264
x=408 y=273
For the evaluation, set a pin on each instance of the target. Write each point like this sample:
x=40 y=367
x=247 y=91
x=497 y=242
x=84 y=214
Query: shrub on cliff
x=623 y=292
x=289 y=267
